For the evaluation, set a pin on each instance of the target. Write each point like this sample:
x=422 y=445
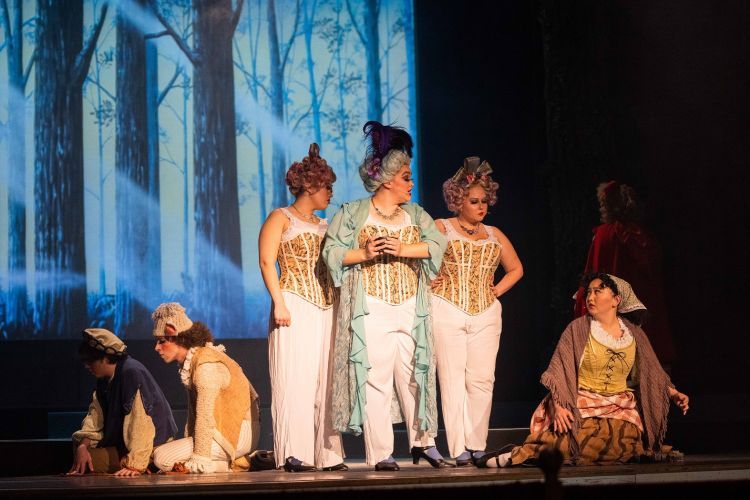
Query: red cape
x=628 y=252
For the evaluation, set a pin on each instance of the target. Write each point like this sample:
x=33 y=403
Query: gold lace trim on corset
x=467 y=273
x=303 y=272
x=388 y=278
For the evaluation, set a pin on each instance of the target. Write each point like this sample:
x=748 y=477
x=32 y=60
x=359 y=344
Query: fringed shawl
x=561 y=378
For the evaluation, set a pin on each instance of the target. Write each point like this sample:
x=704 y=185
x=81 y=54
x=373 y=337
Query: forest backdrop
x=143 y=143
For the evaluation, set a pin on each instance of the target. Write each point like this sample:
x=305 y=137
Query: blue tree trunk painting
x=132 y=195
x=278 y=63
x=153 y=98
x=18 y=320
x=61 y=66
x=370 y=38
x=217 y=218
x=138 y=250
x=218 y=276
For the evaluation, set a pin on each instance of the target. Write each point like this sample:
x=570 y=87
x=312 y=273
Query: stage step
x=354 y=446
x=36 y=457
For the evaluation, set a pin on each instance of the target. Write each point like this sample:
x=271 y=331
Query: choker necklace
x=470 y=232
x=386 y=217
x=310 y=218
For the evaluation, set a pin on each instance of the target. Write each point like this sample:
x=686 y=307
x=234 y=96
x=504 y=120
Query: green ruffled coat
x=350 y=359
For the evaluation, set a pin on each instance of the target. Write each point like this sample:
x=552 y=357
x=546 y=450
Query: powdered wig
x=618 y=202
x=472 y=173
x=388 y=150
x=312 y=173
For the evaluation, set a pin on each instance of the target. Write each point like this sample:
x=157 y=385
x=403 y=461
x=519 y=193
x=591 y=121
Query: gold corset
x=303 y=272
x=388 y=278
x=467 y=273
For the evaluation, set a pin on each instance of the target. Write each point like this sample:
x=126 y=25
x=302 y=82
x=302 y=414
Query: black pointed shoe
x=418 y=452
x=292 y=464
x=338 y=467
x=385 y=465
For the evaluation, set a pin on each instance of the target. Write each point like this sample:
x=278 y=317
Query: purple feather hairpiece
x=382 y=139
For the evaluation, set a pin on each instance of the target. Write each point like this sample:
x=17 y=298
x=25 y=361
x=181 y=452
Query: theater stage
x=697 y=476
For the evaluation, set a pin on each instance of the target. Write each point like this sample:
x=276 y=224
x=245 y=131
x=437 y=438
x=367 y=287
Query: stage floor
x=697 y=469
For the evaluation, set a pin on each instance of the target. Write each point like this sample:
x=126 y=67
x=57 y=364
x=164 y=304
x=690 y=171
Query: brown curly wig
x=311 y=173
x=197 y=335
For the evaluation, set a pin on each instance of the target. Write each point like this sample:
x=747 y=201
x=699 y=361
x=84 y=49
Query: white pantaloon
x=301 y=378
x=390 y=350
x=180 y=450
x=466 y=347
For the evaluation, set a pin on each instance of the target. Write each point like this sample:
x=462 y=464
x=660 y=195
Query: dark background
x=557 y=96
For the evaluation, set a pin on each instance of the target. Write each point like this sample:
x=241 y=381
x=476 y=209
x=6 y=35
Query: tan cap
x=172 y=314
x=104 y=340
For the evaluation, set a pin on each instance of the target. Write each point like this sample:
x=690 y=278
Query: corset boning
x=467 y=273
x=303 y=272
x=386 y=277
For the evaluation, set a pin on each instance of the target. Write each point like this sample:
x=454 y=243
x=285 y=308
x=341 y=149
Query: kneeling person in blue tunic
x=128 y=415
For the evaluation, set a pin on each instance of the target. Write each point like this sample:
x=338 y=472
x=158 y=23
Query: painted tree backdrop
x=143 y=142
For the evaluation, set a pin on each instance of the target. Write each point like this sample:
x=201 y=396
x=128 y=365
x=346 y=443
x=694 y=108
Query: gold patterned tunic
x=468 y=271
x=303 y=272
x=386 y=277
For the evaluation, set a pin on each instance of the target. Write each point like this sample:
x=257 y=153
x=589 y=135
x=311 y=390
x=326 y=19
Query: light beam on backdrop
x=329 y=46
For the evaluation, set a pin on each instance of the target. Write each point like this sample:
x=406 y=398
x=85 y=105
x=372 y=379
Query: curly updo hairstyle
x=312 y=173
x=389 y=148
x=473 y=173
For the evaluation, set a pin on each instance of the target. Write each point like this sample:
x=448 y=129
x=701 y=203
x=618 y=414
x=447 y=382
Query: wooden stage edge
x=361 y=479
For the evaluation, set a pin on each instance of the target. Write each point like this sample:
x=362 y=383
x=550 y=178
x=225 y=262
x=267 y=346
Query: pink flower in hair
x=373 y=169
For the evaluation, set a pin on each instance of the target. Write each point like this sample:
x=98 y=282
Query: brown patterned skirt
x=602 y=441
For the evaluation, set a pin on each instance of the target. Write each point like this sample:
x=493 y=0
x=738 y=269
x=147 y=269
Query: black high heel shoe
x=417 y=452
x=293 y=465
x=387 y=466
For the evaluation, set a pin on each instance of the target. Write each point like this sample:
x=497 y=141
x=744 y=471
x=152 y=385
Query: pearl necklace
x=310 y=218
x=386 y=217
